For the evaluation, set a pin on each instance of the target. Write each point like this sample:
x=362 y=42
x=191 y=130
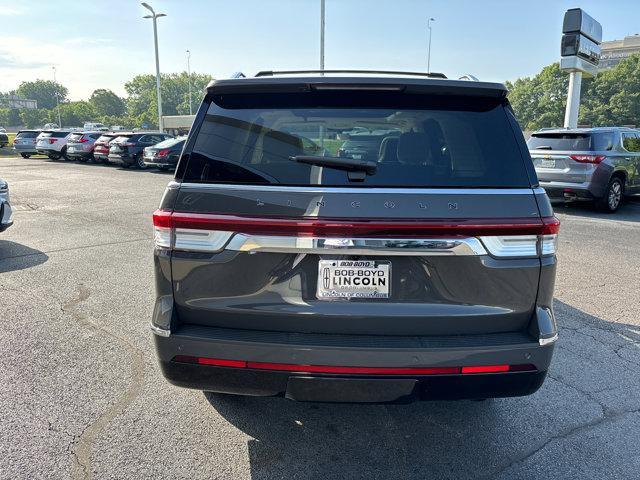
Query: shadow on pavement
x=629 y=211
x=592 y=383
x=15 y=256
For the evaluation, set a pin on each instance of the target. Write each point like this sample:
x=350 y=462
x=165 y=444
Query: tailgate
x=266 y=275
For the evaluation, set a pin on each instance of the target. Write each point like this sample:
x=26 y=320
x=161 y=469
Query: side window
x=631 y=142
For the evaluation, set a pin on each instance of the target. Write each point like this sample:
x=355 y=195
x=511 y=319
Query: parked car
x=164 y=155
x=25 y=142
x=364 y=146
x=80 y=145
x=425 y=273
x=127 y=149
x=95 y=127
x=101 y=147
x=4 y=139
x=597 y=164
x=53 y=143
x=6 y=213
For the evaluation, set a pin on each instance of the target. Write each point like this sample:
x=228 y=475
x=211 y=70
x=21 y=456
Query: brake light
x=162 y=153
x=52 y=141
x=514 y=237
x=588 y=158
x=82 y=140
x=348 y=370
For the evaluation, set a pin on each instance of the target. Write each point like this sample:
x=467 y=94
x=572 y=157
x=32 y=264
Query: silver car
x=25 y=142
x=6 y=213
x=598 y=164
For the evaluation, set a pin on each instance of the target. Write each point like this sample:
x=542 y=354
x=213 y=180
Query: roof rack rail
x=271 y=73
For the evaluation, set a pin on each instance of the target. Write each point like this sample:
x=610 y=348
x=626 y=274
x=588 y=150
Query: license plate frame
x=377 y=287
x=547 y=163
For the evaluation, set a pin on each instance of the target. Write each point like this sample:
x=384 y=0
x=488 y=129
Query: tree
x=107 y=103
x=75 y=114
x=142 y=102
x=43 y=91
x=35 y=118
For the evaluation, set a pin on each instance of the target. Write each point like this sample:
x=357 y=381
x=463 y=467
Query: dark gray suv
x=285 y=269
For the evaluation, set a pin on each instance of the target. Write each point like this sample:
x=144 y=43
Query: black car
x=423 y=272
x=4 y=139
x=164 y=155
x=127 y=149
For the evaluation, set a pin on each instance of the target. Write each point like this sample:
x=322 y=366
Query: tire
x=63 y=153
x=125 y=165
x=140 y=162
x=54 y=156
x=25 y=155
x=613 y=196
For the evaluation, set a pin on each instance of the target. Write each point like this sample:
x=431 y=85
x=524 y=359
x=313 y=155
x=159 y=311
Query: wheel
x=54 y=156
x=140 y=162
x=25 y=155
x=612 y=198
x=125 y=165
x=63 y=153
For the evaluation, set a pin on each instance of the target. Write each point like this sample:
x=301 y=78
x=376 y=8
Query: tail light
x=162 y=153
x=52 y=141
x=588 y=158
x=514 y=237
x=82 y=140
x=15 y=140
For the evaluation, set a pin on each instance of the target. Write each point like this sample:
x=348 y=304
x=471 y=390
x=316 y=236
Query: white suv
x=53 y=143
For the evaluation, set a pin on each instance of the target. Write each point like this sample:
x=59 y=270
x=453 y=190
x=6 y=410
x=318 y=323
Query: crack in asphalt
x=80 y=446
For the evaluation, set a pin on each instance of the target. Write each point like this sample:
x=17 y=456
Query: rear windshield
x=54 y=134
x=74 y=137
x=572 y=141
x=105 y=138
x=27 y=134
x=414 y=140
x=170 y=142
x=123 y=138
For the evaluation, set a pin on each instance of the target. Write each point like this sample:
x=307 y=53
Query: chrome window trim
x=358 y=190
x=461 y=246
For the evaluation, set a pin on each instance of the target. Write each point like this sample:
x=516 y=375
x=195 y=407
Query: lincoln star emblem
x=325 y=277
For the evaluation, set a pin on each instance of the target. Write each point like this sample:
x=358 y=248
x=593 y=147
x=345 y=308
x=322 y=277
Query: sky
x=104 y=43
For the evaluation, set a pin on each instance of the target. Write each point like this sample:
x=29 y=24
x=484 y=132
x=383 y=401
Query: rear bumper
x=87 y=155
x=121 y=159
x=30 y=149
x=565 y=191
x=352 y=351
x=6 y=216
x=156 y=162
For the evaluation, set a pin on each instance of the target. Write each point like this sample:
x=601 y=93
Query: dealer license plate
x=353 y=279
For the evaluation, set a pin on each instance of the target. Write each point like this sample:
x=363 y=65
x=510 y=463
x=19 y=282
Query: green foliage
x=43 y=91
x=107 y=103
x=34 y=118
x=612 y=97
x=140 y=106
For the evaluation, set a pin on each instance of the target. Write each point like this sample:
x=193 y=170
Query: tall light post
x=57 y=99
x=429 y=51
x=155 y=17
x=321 y=35
x=189 y=79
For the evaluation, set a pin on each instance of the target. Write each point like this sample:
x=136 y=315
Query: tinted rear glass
x=415 y=140
x=572 y=141
x=170 y=142
x=27 y=134
x=75 y=137
x=105 y=138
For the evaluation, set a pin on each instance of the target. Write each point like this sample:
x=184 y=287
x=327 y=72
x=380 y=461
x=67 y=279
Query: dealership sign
x=581 y=39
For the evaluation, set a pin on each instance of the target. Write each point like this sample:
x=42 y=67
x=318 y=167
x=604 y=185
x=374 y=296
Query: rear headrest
x=413 y=148
x=388 y=150
x=278 y=147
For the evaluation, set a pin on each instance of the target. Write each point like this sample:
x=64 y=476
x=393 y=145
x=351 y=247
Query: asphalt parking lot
x=82 y=396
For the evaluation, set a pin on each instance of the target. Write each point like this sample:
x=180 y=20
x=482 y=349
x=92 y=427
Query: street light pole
x=57 y=99
x=189 y=80
x=155 y=17
x=429 y=51
x=321 y=36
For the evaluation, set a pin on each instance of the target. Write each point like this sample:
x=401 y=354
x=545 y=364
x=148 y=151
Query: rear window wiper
x=340 y=163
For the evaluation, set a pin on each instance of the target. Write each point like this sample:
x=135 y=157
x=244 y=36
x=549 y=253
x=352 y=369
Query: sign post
x=580 y=54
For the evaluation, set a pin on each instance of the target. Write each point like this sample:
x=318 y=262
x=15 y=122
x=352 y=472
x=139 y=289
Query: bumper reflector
x=289 y=367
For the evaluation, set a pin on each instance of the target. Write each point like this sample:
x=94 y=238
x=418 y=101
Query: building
x=614 y=51
x=177 y=124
